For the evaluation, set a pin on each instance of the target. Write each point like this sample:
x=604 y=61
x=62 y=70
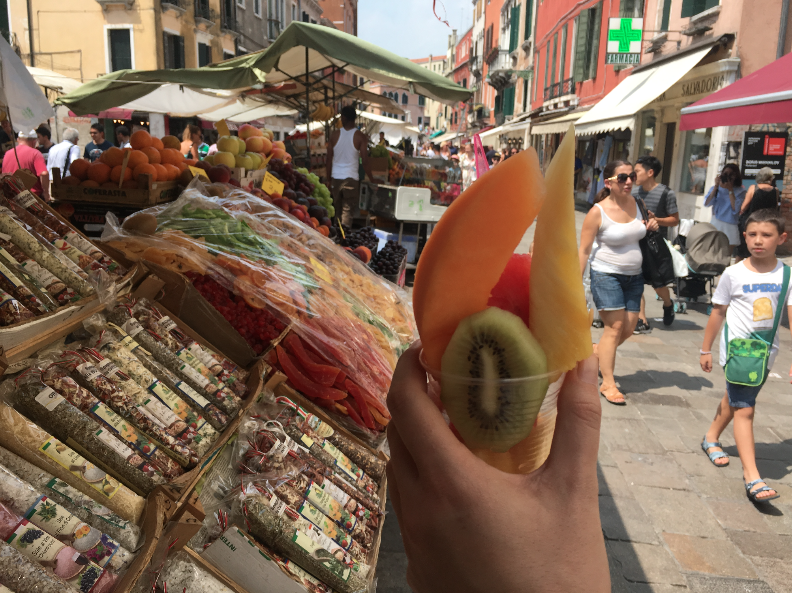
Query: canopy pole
x=307 y=110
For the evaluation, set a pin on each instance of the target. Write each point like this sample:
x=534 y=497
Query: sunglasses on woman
x=622 y=178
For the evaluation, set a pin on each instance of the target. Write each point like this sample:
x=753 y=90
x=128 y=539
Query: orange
x=99 y=172
x=182 y=166
x=171 y=156
x=157 y=143
x=145 y=170
x=109 y=185
x=79 y=169
x=112 y=157
x=137 y=158
x=190 y=162
x=71 y=180
x=115 y=174
x=162 y=172
x=173 y=171
x=140 y=139
x=171 y=142
x=89 y=183
x=153 y=155
x=131 y=184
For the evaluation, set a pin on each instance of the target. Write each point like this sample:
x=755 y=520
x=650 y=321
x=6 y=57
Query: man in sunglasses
x=661 y=203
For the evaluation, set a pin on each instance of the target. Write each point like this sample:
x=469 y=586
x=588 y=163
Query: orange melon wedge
x=470 y=247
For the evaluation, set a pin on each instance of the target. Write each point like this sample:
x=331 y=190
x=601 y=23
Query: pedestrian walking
x=468 y=164
x=750 y=296
x=617 y=281
x=345 y=150
x=726 y=198
x=122 y=137
x=63 y=154
x=661 y=203
x=44 y=137
x=758 y=197
x=25 y=156
x=98 y=144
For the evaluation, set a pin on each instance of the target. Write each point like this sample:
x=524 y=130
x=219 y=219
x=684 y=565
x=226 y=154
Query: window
x=631 y=8
x=666 y=15
x=173 y=46
x=562 y=67
x=528 y=19
x=553 y=66
x=464 y=82
x=514 y=33
x=204 y=54
x=587 y=43
x=276 y=135
x=119 y=44
x=227 y=55
x=693 y=7
x=257 y=8
x=241 y=3
x=404 y=99
x=525 y=95
x=547 y=65
x=695 y=160
x=420 y=120
x=508 y=101
x=294 y=12
x=421 y=100
x=646 y=142
x=402 y=118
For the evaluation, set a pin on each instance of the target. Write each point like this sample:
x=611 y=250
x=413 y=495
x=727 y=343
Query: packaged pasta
x=23 y=575
x=11 y=310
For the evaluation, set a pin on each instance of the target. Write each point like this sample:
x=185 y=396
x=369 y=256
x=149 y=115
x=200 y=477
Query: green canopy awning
x=437 y=133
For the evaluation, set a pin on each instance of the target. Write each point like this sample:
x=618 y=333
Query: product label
x=67 y=458
x=279 y=450
x=108 y=368
x=130 y=344
x=161 y=412
x=330 y=506
x=75 y=239
x=200 y=400
x=5 y=297
x=57 y=521
x=194 y=375
x=89 y=371
x=88 y=504
x=25 y=199
x=125 y=430
x=4 y=589
x=343 y=462
x=327 y=527
x=278 y=506
x=43 y=276
x=48 y=398
x=305 y=577
x=108 y=439
x=336 y=492
x=206 y=358
x=69 y=564
x=132 y=327
x=167 y=323
x=177 y=405
x=69 y=251
x=307 y=441
x=319 y=551
x=151 y=417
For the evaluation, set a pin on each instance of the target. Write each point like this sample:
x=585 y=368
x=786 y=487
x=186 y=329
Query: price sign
x=198 y=171
x=271 y=185
x=222 y=128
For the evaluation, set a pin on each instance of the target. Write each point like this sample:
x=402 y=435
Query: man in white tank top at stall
x=347 y=146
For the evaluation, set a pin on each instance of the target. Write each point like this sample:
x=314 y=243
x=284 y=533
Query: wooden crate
x=149 y=193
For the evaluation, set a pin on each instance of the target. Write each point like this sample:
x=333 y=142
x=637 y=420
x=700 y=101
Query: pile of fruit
x=389 y=259
x=250 y=150
x=321 y=192
x=362 y=237
x=297 y=198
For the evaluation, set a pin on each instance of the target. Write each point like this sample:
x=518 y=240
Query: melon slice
x=511 y=291
x=470 y=247
x=559 y=317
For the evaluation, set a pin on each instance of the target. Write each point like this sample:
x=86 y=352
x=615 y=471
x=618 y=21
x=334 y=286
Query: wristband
x=702 y=352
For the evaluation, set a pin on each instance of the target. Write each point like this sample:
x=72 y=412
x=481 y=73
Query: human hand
x=651 y=224
x=706 y=362
x=468 y=527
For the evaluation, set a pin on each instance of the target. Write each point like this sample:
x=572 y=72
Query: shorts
x=741 y=396
x=613 y=292
x=732 y=231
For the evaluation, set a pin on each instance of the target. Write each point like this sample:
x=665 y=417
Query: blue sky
x=409 y=28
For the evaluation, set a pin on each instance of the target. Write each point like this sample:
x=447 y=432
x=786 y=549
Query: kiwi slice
x=487 y=348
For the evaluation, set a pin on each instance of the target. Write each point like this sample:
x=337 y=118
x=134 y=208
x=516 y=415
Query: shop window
x=276 y=135
x=647 y=139
x=587 y=43
x=694 y=7
x=631 y=8
x=204 y=54
x=695 y=160
x=306 y=17
x=120 y=45
x=666 y=16
x=547 y=65
x=528 y=19
x=173 y=46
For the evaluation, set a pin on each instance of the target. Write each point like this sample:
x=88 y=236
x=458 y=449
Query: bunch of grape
x=388 y=261
x=320 y=192
x=364 y=237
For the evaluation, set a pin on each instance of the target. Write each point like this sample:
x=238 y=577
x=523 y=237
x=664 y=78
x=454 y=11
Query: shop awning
x=247 y=110
x=558 y=125
x=764 y=97
x=448 y=136
x=436 y=133
x=491 y=132
x=52 y=80
x=617 y=110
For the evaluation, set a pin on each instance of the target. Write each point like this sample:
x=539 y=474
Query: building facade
x=435 y=112
x=343 y=14
x=478 y=115
x=460 y=73
x=412 y=104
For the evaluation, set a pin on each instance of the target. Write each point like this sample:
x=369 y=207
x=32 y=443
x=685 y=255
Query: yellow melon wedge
x=559 y=317
x=470 y=246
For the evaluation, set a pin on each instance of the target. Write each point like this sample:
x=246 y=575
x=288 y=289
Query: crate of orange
x=149 y=173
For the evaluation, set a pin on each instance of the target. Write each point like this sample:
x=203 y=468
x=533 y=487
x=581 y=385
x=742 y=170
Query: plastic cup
x=530 y=453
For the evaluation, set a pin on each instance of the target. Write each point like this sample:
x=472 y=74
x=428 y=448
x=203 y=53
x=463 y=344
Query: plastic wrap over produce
x=263 y=271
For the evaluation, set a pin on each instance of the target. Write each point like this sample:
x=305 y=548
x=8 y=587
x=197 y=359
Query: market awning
x=490 y=132
x=764 y=97
x=436 y=133
x=557 y=125
x=52 y=80
x=448 y=136
x=617 y=110
x=247 y=110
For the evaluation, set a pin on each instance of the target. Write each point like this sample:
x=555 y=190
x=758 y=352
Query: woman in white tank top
x=616 y=279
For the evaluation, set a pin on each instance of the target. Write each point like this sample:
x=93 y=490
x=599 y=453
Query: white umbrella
x=27 y=105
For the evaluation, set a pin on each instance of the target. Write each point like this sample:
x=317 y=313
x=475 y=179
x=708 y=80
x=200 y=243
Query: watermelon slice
x=511 y=291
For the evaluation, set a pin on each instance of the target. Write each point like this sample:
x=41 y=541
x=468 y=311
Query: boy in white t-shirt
x=747 y=297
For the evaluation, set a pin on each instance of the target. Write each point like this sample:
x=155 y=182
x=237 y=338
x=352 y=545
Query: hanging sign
x=624 y=41
x=763 y=149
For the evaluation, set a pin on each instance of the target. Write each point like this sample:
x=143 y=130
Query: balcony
x=177 y=7
x=475 y=65
x=229 y=24
x=501 y=69
x=105 y=4
x=203 y=14
x=559 y=89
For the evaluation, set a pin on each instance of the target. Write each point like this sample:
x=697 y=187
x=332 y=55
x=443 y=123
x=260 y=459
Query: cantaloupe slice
x=470 y=246
x=559 y=317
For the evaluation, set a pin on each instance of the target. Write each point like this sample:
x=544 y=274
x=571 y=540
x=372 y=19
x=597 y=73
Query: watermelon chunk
x=511 y=291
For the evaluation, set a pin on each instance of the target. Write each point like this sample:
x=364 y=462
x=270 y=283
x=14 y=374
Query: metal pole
x=307 y=109
x=783 y=28
x=30 y=33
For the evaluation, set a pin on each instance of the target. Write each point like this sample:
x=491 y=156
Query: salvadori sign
x=624 y=41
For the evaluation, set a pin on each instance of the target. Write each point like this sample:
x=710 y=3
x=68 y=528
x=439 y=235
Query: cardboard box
x=149 y=193
x=248 y=176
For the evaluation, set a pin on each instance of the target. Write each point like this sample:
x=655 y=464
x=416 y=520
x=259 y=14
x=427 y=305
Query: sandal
x=752 y=493
x=715 y=454
x=614 y=399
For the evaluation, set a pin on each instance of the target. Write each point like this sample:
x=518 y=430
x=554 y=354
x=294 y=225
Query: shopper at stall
x=468 y=164
x=193 y=146
x=726 y=198
x=25 y=156
x=496 y=158
x=382 y=140
x=617 y=282
x=98 y=144
x=347 y=147
x=63 y=154
x=122 y=137
x=44 y=138
x=444 y=151
x=661 y=203
x=468 y=527
x=762 y=196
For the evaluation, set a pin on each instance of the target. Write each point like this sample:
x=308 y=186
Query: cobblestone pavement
x=672 y=521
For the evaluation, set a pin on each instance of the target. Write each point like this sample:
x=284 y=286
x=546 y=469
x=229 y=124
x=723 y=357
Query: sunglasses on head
x=623 y=177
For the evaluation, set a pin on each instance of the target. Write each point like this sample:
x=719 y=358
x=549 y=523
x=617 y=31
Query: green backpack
x=747 y=359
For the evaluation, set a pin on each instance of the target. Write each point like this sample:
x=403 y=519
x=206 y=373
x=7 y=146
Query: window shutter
x=693 y=7
x=562 y=66
x=508 y=101
x=166 y=52
x=666 y=15
x=528 y=18
x=581 y=46
x=555 y=56
x=180 y=53
x=547 y=65
x=596 y=16
x=515 y=28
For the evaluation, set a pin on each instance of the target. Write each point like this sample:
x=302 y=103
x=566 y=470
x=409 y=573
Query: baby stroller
x=707 y=253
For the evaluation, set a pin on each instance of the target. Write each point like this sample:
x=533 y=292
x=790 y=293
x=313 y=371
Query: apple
x=255 y=144
x=241 y=144
x=247 y=131
x=279 y=153
x=256 y=158
x=268 y=134
x=225 y=158
x=279 y=144
x=219 y=175
x=266 y=146
x=282 y=203
x=228 y=144
x=243 y=161
x=209 y=159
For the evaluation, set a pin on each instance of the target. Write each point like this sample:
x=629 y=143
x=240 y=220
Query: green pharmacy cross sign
x=624 y=41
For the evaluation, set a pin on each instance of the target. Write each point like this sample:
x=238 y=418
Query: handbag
x=658 y=264
x=746 y=363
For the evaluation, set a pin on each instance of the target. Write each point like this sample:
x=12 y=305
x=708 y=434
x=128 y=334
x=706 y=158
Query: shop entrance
x=668 y=153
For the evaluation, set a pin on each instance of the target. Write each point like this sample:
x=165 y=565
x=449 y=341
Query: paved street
x=671 y=520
